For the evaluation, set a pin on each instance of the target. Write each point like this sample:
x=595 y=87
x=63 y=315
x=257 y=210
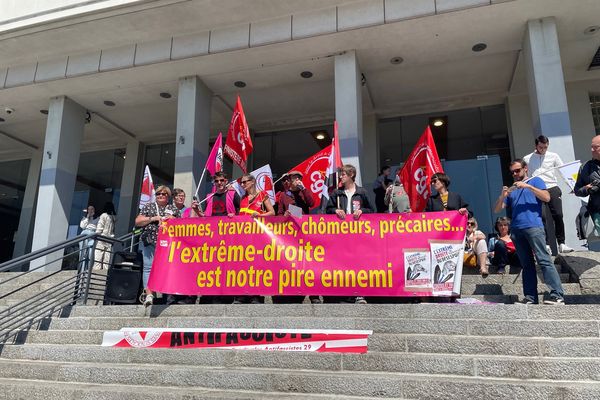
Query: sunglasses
x=434 y=180
x=246 y=181
x=471 y=224
x=220 y=180
x=515 y=171
x=161 y=194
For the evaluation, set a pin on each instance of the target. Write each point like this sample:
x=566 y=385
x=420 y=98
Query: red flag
x=214 y=163
x=313 y=173
x=238 y=144
x=335 y=160
x=416 y=174
x=147 y=194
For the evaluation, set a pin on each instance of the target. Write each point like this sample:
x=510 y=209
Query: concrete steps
x=417 y=351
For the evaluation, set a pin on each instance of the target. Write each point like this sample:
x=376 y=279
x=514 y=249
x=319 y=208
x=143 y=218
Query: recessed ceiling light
x=397 y=60
x=45 y=112
x=591 y=30
x=320 y=136
x=479 y=47
x=109 y=103
x=438 y=122
x=165 y=95
x=239 y=84
x=306 y=74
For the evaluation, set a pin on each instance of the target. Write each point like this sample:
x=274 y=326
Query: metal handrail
x=75 y=289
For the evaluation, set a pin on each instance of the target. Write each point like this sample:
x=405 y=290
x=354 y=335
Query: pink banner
x=415 y=254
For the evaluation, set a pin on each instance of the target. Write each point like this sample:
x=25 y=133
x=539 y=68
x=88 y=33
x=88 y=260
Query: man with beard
x=524 y=204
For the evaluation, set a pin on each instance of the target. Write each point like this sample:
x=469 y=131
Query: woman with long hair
x=149 y=220
x=105 y=227
x=255 y=202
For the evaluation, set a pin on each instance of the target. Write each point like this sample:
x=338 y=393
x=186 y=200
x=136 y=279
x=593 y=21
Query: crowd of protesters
x=518 y=237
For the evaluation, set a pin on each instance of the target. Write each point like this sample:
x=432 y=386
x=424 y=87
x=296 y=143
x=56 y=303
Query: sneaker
x=563 y=248
x=360 y=300
x=316 y=300
x=149 y=300
x=548 y=249
x=557 y=301
x=527 y=300
x=501 y=270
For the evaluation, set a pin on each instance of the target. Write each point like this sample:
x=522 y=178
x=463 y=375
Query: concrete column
x=370 y=165
x=582 y=120
x=348 y=109
x=60 y=160
x=193 y=129
x=548 y=103
x=25 y=230
x=133 y=170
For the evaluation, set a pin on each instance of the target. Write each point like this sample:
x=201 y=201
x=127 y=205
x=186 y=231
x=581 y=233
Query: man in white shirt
x=543 y=163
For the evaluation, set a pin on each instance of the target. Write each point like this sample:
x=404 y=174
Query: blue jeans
x=148 y=256
x=530 y=242
x=88 y=251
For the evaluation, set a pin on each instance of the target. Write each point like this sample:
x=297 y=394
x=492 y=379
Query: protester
x=179 y=201
x=501 y=248
x=444 y=200
x=254 y=203
x=380 y=186
x=351 y=199
x=298 y=196
x=285 y=183
x=543 y=163
x=88 y=225
x=105 y=227
x=476 y=247
x=524 y=203
x=223 y=201
x=396 y=198
x=149 y=219
x=588 y=183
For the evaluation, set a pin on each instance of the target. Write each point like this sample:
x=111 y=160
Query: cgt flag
x=313 y=173
x=416 y=174
x=264 y=182
x=238 y=144
x=147 y=194
x=335 y=160
x=214 y=163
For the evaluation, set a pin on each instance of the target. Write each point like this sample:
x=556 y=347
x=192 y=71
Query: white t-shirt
x=546 y=163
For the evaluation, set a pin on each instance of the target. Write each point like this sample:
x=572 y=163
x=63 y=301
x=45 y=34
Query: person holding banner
x=179 y=201
x=224 y=201
x=588 y=183
x=445 y=200
x=542 y=163
x=255 y=203
x=351 y=199
x=296 y=195
x=524 y=203
x=151 y=215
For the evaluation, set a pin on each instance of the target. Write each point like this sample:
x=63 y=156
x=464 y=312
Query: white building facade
x=91 y=91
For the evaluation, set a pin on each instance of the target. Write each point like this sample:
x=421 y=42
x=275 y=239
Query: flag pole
x=200 y=182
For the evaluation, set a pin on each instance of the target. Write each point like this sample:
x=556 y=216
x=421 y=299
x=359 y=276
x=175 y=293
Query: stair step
x=346 y=311
x=353 y=380
x=38 y=343
x=495 y=278
x=17 y=389
x=512 y=289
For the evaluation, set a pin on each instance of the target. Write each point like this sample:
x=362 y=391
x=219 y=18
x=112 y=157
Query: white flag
x=264 y=182
x=569 y=172
x=147 y=195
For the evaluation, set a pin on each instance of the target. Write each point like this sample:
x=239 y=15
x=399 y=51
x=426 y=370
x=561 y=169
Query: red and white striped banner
x=327 y=340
